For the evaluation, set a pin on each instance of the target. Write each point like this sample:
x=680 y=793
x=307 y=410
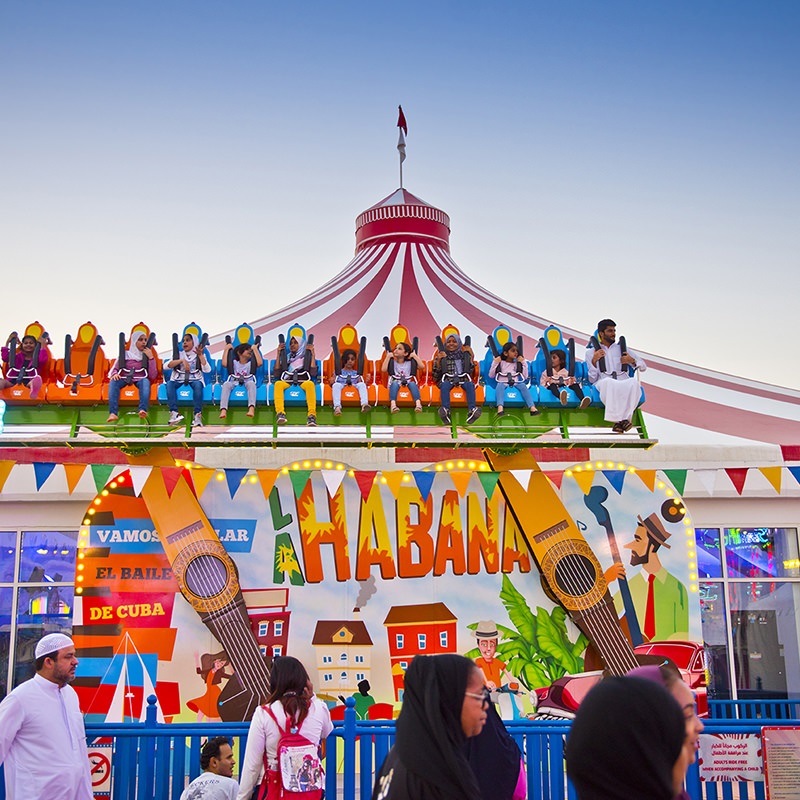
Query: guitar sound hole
x=206 y=576
x=575 y=575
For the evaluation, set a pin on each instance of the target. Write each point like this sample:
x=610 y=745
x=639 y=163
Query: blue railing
x=754 y=709
x=152 y=761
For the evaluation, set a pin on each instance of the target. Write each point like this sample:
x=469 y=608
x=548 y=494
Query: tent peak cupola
x=402 y=217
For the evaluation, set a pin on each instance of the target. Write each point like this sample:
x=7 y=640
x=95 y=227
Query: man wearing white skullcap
x=42 y=736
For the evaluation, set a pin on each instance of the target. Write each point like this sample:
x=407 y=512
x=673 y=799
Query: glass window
x=400 y=641
x=761 y=553
x=277 y=628
x=422 y=641
x=709 y=555
x=6 y=618
x=443 y=638
x=263 y=628
x=765 y=643
x=48 y=556
x=277 y=650
x=8 y=553
x=715 y=636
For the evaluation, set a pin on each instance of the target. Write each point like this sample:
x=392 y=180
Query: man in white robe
x=42 y=736
x=619 y=391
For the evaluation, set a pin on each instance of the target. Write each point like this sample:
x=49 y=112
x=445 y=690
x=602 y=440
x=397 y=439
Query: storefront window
x=709 y=554
x=8 y=555
x=761 y=553
x=715 y=636
x=48 y=556
x=6 y=618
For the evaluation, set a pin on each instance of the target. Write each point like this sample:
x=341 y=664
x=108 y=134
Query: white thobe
x=620 y=394
x=43 y=743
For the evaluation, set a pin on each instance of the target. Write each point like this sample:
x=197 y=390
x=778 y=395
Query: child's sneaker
x=197 y=421
x=563 y=396
x=175 y=417
x=444 y=415
x=337 y=411
x=473 y=415
x=281 y=418
x=312 y=420
x=585 y=402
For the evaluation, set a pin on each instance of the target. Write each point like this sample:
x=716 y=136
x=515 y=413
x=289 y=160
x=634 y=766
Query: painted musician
x=608 y=371
x=493 y=669
x=659 y=598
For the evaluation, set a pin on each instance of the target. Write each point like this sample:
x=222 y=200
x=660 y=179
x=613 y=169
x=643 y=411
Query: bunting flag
x=73 y=474
x=556 y=477
x=139 y=476
x=333 y=480
x=795 y=472
x=42 y=470
x=677 y=477
x=394 y=480
x=648 y=478
x=424 y=481
x=584 y=480
x=522 y=477
x=187 y=476
x=461 y=481
x=707 y=477
x=171 y=476
x=299 y=479
x=5 y=471
x=267 y=478
x=365 y=480
x=616 y=477
x=234 y=480
x=201 y=477
x=774 y=475
x=489 y=482
x=101 y=473
x=738 y=476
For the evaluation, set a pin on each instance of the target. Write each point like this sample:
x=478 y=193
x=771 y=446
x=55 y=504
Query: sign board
x=781 y=762
x=730 y=757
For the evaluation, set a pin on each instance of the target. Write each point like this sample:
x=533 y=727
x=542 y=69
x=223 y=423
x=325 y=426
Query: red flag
x=401 y=120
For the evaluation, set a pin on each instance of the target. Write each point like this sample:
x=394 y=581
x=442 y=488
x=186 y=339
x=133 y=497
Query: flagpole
x=401 y=171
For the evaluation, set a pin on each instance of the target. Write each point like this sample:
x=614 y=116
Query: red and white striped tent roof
x=403 y=272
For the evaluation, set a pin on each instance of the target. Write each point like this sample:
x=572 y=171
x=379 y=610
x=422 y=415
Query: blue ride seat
x=553 y=339
x=294 y=395
x=184 y=394
x=513 y=398
x=244 y=334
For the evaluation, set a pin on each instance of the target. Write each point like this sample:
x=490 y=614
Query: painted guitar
x=567 y=563
x=208 y=579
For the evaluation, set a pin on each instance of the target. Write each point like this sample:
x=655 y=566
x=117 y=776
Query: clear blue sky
x=174 y=160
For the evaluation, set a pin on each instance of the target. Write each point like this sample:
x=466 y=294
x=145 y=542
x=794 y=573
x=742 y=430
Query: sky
x=168 y=161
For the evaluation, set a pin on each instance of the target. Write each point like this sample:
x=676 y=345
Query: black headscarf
x=495 y=758
x=626 y=737
x=430 y=740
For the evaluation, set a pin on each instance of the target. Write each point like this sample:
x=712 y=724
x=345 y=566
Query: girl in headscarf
x=140 y=372
x=444 y=703
x=455 y=366
x=187 y=368
x=627 y=743
x=246 y=360
x=296 y=372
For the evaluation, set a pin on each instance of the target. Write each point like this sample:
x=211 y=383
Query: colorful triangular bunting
x=365 y=480
x=738 y=476
x=584 y=480
x=616 y=477
x=677 y=477
x=795 y=473
x=171 y=476
x=299 y=479
x=5 y=471
x=489 y=482
x=648 y=478
x=461 y=481
x=774 y=475
x=333 y=480
x=707 y=477
x=101 y=473
x=394 y=480
x=201 y=477
x=139 y=476
x=522 y=477
x=73 y=474
x=556 y=476
x=42 y=470
x=424 y=481
x=267 y=478
x=234 y=479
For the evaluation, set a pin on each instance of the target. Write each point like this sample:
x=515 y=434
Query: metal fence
x=152 y=761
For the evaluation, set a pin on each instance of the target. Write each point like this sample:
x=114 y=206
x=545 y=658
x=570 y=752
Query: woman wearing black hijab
x=627 y=743
x=444 y=703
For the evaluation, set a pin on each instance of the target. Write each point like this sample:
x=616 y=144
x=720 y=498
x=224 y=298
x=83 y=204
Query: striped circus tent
x=402 y=271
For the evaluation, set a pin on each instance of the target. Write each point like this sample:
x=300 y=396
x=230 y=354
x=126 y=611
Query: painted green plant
x=540 y=650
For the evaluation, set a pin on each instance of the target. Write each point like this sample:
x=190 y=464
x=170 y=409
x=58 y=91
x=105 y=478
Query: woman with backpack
x=286 y=733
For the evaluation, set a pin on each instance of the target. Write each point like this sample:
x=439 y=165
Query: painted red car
x=689 y=658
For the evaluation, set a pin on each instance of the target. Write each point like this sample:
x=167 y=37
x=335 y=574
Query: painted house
x=269 y=618
x=426 y=629
x=344 y=655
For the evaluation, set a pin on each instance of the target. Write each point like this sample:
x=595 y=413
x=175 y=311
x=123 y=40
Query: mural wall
x=354 y=572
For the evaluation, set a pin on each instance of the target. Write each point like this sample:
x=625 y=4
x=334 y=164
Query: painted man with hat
x=42 y=736
x=492 y=668
x=659 y=598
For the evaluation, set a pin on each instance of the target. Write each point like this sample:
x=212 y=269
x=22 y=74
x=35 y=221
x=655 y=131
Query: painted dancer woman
x=444 y=704
x=455 y=366
x=627 y=743
x=290 y=698
x=134 y=367
x=212 y=671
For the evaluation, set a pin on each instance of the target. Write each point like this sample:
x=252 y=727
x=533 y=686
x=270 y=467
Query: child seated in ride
x=296 y=371
x=455 y=366
x=187 y=368
x=560 y=379
x=401 y=365
x=246 y=360
x=139 y=368
x=23 y=370
x=348 y=375
x=510 y=369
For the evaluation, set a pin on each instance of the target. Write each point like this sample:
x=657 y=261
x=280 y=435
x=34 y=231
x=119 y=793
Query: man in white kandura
x=619 y=391
x=42 y=737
